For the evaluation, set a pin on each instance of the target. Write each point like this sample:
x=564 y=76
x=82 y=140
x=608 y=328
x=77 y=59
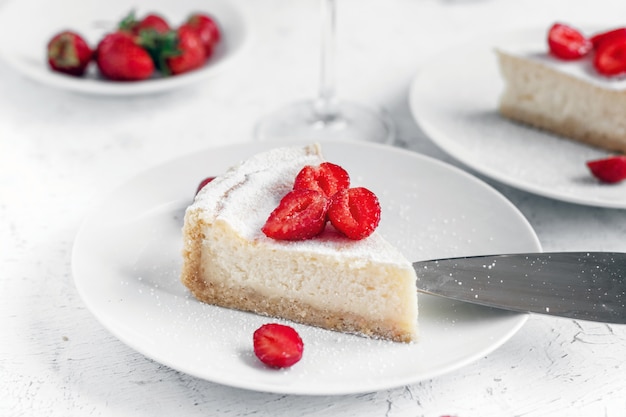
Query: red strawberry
x=567 y=43
x=190 y=52
x=120 y=58
x=277 y=345
x=69 y=53
x=610 y=58
x=300 y=215
x=203 y=183
x=355 y=212
x=600 y=38
x=207 y=30
x=610 y=170
x=327 y=178
x=150 y=21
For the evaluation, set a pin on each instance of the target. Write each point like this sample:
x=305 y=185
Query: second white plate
x=454 y=99
x=26 y=52
x=127 y=258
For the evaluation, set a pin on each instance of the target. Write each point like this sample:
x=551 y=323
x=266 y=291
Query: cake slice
x=357 y=286
x=564 y=97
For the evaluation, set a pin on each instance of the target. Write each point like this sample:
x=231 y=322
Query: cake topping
x=277 y=345
x=567 y=43
x=355 y=212
x=326 y=177
x=203 y=183
x=610 y=57
x=321 y=193
x=608 y=36
x=300 y=215
x=607 y=48
x=610 y=170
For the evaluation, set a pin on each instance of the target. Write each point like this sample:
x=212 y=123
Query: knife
x=577 y=285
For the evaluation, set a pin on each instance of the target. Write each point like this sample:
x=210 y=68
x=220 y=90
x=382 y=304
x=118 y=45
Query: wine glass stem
x=326 y=101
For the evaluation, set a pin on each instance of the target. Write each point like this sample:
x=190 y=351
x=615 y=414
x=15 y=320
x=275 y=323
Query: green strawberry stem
x=160 y=46
x=129 y=22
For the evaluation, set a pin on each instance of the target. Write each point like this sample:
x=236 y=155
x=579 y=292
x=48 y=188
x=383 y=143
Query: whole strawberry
x=69 y=53
x=207 y=30
x=190 y=53
x=120 y=58
x=151 y=21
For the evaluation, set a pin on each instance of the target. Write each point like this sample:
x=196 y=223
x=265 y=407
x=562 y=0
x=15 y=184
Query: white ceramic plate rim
x=27 y=56
x=95 y=269
x=477 y=70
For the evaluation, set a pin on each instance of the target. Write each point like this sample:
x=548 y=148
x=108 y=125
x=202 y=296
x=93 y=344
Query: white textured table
x=58 y=151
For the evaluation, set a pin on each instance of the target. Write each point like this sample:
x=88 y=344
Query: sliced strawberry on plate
x=277 y=345
x=610 y=58
x=610 y=170
x=120 y=58
x=567 y=43
x=608 y=36
x=327 y=178
x=300 y=215
x=355 y=212
x=207 y=30
x=69 y=53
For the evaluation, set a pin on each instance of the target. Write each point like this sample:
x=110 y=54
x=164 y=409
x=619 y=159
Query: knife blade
x=577 y=285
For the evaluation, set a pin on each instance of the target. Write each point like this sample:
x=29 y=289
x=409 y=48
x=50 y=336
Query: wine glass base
x=301 y=122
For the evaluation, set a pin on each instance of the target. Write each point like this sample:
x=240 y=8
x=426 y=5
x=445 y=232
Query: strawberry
x=203 y=183
x=189 y=53
x=69 y=53
x=327 y=178
x=207 y=30
x=600 y=38
x=150 y=21
x=300 y=215
x=355 y=212
x=120 y=58
x=610 y=170
x=610 y=58
x=277 y=345
x=567 y=43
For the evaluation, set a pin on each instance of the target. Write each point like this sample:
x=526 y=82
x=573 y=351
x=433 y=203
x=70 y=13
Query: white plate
x=126 y=264
x=26 y=52
x=454 y=99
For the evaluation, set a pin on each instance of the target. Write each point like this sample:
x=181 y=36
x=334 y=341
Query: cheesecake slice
x=363 y=286
x=564 y=97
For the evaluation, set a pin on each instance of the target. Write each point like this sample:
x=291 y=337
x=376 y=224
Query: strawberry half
x=608 y=36
x=300 y=215
x=277 y=345
x=120 y=58
x=567 y=43
x=610 y=170
x=610 y=58
x=327 y=178
x=69 y=53
x=207 y=30
x=203 y=183
x=355 y=212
